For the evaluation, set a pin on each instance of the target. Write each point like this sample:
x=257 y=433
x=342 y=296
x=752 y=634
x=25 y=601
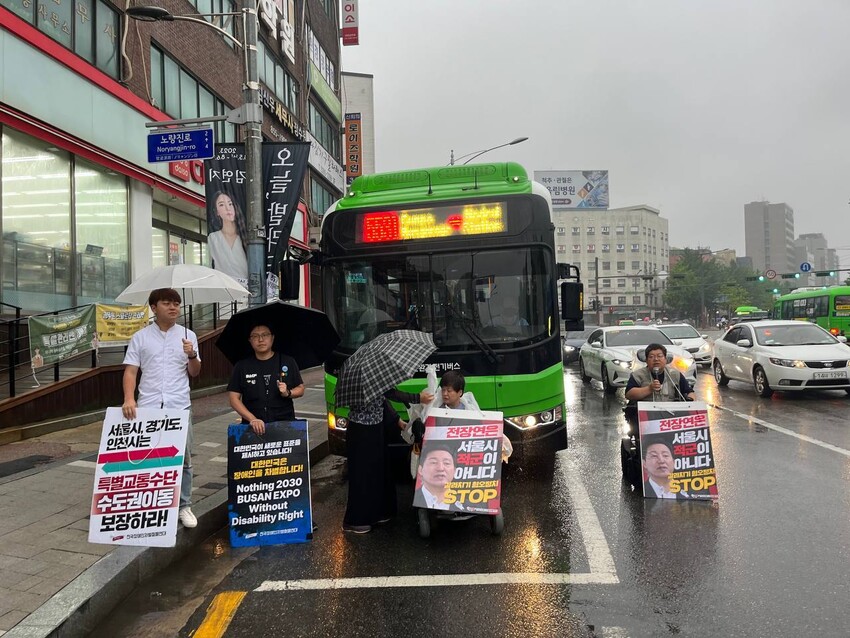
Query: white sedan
x=782 y=355
x=610 y=355
x=685 y=335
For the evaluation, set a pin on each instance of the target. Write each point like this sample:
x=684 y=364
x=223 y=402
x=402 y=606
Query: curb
x=32 y=430
x=79 y=607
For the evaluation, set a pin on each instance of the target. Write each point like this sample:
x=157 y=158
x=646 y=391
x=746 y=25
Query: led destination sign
x=431 y=223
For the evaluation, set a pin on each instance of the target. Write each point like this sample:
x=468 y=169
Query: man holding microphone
x=656 y=382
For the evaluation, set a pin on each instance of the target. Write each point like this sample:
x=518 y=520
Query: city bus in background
x=748 y=313
x=827 y=307
x=466 y=253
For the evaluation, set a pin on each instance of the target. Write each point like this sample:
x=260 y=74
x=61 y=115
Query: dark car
x=572 y=344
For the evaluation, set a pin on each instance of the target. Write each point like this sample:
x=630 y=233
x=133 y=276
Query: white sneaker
x=187 y=518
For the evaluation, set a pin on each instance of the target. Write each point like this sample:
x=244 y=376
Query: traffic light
x=791 y=275
x=825 y=273
x=756 y=278
x=776 y=291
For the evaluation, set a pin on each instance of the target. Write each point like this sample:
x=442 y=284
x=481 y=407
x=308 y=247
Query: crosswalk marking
x=440 y=580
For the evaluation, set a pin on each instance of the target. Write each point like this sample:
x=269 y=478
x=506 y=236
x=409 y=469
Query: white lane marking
x=439 y=580
x=779 y=428
x=614 y=632
x=598 y=553
x=210 y=444
x=218 y=459
x=83 y=463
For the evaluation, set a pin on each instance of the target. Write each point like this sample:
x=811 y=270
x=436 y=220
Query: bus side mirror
x=572 y=304
x=290 y=279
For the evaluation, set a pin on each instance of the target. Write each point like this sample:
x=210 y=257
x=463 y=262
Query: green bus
x=827 y=307
x=466 y=253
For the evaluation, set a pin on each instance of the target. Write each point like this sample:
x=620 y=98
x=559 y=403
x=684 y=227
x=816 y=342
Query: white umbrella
x=196 y=284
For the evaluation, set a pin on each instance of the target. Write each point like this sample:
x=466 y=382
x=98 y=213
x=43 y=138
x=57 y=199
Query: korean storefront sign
x=353 y=146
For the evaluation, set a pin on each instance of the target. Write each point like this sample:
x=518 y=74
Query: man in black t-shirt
x=262 y=387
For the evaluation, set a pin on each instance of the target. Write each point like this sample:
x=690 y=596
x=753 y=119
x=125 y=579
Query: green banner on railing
x=54 y=338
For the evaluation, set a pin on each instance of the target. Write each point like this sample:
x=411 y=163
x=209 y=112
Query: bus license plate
x=837 y=374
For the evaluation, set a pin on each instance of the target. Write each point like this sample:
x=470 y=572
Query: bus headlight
x=335 y=423
x=535 y=419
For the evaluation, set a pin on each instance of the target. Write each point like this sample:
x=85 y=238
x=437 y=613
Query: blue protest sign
x=269 y=499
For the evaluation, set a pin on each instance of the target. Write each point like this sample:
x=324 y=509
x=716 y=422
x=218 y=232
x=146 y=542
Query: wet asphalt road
x=770 y=557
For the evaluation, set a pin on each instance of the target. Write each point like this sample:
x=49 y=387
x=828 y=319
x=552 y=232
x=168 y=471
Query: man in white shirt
x=167 y=355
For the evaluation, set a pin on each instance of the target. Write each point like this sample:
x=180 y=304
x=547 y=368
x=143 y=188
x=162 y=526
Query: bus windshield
x=503 y=297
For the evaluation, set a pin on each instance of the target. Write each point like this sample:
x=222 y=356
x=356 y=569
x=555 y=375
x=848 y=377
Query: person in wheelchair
x=657 y=382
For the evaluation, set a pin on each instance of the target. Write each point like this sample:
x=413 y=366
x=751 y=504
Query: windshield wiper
x=491 y=355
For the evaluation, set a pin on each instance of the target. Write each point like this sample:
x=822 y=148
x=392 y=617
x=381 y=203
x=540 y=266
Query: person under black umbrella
x=263 y=386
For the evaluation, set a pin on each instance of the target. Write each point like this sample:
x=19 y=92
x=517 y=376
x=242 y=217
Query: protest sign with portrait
x=137 y=478
x=677 y=459
x=460 y=466
x=269 y=484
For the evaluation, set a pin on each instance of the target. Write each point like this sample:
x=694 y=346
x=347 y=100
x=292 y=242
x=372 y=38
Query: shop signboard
x=54 y=338
x=117 y=324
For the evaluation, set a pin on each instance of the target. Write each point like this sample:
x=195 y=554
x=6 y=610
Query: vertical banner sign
x=117 y=324
x=460 y=466
x=269 y=484
x=227 y=223
x=353 y=148
x=284 y=166
x=676 y=453
x=137 y=479
x=350 y=27
x=54 y=338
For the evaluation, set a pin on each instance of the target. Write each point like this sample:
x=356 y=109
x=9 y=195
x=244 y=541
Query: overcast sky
x=696 y=107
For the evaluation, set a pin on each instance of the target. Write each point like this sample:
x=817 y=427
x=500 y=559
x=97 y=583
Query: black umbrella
x=305 y=334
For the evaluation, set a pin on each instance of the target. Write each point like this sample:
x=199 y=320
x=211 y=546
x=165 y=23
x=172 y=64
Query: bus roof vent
x=402 y=179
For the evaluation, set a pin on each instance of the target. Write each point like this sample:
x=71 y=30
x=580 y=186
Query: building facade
x=82 y=212
x=814 y=247
x=623 y=254
x=769 y=236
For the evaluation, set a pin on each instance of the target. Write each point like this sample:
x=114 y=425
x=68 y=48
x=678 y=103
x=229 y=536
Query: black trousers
x=371 y=490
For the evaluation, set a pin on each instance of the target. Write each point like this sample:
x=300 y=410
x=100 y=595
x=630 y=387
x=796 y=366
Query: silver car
x=685 y=335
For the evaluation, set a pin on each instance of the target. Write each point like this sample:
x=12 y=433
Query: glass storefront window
x=36 y=207
x=160 y=247
x=56 y=255
x=101 y=231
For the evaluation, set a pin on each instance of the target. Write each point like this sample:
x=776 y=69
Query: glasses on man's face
x=260 y=335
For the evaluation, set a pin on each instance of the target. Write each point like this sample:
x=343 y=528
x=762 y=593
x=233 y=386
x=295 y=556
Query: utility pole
x=598 y=295
x=254 y=160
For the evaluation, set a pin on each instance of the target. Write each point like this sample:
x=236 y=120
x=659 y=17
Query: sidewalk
x=53 y=582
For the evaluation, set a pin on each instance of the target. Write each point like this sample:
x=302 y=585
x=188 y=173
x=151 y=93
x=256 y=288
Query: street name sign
x=175 y=145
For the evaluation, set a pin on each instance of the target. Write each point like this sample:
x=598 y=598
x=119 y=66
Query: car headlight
x=569 y=349
x=704 y=347
x=788 y=363
x=682 y=364
x=626 y=365
x=528 y=421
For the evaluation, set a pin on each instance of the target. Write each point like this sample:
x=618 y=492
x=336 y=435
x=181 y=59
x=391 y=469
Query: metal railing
x=15 y=353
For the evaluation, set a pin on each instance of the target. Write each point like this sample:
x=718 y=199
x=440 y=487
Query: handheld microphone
x=656 y=374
